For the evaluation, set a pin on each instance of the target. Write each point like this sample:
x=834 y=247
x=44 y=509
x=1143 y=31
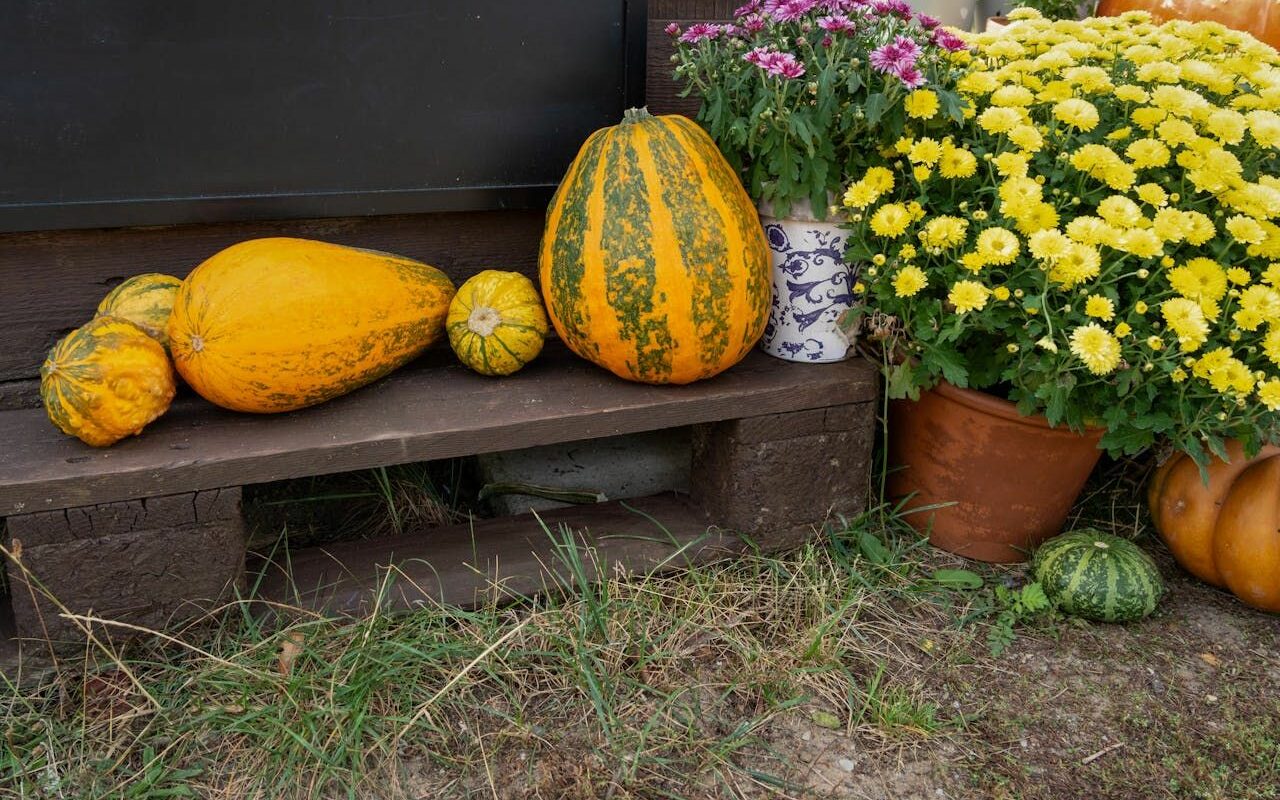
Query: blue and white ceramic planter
x=812 y=288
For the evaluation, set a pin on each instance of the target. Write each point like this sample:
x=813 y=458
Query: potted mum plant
x=1090 y=261
x=798 y=94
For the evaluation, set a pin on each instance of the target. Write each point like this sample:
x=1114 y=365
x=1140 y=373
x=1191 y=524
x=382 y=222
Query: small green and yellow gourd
x=496 y=322
x=145 y=300
x=106 y=380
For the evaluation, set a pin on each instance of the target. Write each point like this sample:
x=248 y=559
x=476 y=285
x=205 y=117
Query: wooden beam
x=504 y=558
x=433 y=409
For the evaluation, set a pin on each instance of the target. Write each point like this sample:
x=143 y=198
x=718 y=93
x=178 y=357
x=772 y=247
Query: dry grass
x=838 y=670
x=656 y=685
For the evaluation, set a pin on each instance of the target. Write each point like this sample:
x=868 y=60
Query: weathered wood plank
x=432 y=409
x=51 y=282
x=661 y=91
x=508 y=557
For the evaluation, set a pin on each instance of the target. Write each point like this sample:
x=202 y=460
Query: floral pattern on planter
x=812 y=288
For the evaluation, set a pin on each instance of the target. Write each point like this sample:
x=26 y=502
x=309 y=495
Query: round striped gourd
x=654 y=264
x=1098 y=576
x=1227 y=531
x=278 y=324
x=106 y=380
x=144 y=300
x=496 y=323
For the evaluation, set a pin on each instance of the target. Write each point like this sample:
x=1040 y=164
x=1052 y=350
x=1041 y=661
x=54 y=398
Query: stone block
x=777 y=482
x=146 y=562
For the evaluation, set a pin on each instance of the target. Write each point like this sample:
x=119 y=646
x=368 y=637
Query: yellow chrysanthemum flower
x=1271 y=344
x=1049 y=245
x=1258 y=304
x=1238 y=276
x=1100 y=307
x=1012 y=95
x=1199 y=279
x=1152 y=194
x=860 y=195
x=1147 y=153
x=879 y=179
x=968 y=296
x=921 y=104
x=1028 y=138
x=1232 y=376
x=957 y=163
x=1079 y=114
x=1269 y=394
x=1096 y=347
x=998 y=246
x=1245 y=230
x=999 y=119
x=1120 y=211
x=925 y=151
x=890 y=221
x=909 y=281
x=1187 y=322
x=944 y=232
x=1011 y=165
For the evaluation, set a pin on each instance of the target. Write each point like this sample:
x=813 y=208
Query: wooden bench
x=151 y=528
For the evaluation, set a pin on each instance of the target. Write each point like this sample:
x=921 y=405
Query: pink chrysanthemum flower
x=756 y=55
x=948 y=41
x=701 y=30
x=898 y=7
x=884 y=58
x=788 y=10
x=835 y=23
x=753 y=24
x=784 y=64
x=908 y=50
x=672 y=30
x=910 y=76
x=749 y=8
x=927 y=22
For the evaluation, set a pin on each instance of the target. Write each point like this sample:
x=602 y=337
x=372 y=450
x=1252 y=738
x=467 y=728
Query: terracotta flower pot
x=1011 y=479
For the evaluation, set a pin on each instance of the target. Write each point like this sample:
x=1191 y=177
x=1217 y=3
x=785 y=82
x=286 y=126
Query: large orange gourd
x=1258 y=17
x=278 y=324
x=1226 y=532
x=654 y=264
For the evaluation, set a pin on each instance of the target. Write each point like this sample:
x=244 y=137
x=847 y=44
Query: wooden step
x=504 y=558
x=429 y=410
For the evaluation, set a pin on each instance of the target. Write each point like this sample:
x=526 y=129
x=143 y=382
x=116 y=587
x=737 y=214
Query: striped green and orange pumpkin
x=144 y=300
x=496 y=323
x=654 y=264
x=106 y=380
x=1098 y=576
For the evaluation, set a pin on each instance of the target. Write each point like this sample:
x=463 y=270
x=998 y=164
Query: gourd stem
x=634 y=115
x=483 y=320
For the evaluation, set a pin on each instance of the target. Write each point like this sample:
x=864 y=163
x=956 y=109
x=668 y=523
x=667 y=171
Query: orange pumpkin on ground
x=1258 y=17
x=1228 y=532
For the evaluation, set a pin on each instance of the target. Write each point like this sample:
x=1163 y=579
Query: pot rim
x=1004 y=409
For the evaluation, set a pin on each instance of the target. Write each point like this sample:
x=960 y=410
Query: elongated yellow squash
x=278 y=324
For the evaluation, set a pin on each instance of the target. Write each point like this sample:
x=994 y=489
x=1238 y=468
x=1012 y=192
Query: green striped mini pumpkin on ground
x=1098 y=576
